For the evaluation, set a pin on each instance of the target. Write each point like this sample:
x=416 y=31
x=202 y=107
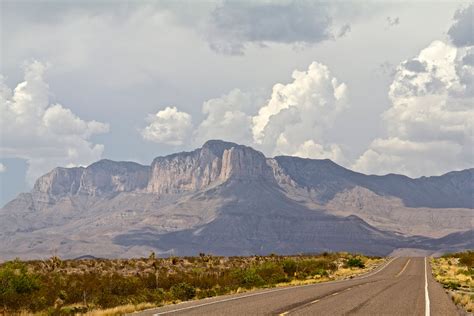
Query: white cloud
x=430 y=122
x=310 y=149
x=3 y=168
x=298 y=114
x=228 y=117
x=168 y=126
x=293 y=121
x=395 y=155
x=43 y=134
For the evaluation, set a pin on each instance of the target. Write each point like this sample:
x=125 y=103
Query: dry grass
x=450 y=273
x=121 y=310
x=466 y=301
x=456 y=278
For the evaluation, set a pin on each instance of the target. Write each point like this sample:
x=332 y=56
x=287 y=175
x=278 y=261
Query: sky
x=378 y=87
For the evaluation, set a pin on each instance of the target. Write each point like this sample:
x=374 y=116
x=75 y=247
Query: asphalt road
x=404 y=286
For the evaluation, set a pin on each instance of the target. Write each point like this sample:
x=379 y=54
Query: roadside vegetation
x=118 y=286
x=455 y=271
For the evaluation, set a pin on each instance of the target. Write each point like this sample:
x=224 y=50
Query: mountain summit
x=230 y=199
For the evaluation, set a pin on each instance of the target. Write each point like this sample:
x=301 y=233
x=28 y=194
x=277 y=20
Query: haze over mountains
x=230 y=199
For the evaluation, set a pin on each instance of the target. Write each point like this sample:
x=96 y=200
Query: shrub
x=311 y=267
x=206 y=293
x=467 y=259
x=183 y=291
x=355 y=263
x=154 y=296
x=289 y=267
x=249 y=278
x=271 y=272
x=452 y=285
x=16 y=285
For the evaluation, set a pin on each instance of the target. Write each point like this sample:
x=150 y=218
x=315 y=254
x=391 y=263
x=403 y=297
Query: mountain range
x=229 y=199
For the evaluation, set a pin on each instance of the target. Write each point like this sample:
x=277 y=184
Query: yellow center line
x=334 y=293
x=283 y=314
x=404 y=267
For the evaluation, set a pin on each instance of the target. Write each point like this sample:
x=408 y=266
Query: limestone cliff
x=231 y=199
x=215 y=163
x=102 y=177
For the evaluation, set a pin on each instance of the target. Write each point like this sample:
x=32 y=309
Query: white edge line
x=427 y=295
x=272 y=291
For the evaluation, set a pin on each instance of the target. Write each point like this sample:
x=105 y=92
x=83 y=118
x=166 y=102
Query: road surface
x=404 y=286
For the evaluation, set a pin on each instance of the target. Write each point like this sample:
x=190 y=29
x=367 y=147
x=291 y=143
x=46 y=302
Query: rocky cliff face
x=231 y=199
x=245 y=164
x=60 y=181
x=100 y=178
x=215 y=163
x=108 y=176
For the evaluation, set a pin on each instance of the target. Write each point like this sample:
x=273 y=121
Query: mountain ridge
x=189 y=196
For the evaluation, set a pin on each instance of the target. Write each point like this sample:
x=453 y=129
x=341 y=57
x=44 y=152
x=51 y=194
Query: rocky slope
x=230 y=199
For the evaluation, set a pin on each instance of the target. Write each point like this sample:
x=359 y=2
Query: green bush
x=154 y=296
x=249 y=278
x=206 y=293
x=15 y=278
x=311 y=267
x=289 y=267
x=183 y=291
x=355 y=263
x=452 y=285
x=16 y=285
x=271 y=273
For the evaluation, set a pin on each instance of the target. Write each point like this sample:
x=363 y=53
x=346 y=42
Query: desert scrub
x=16 y=284
x=110 y=286
x=456 y=273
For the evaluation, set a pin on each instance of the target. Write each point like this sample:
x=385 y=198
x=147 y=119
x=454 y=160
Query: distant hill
x=230 y=199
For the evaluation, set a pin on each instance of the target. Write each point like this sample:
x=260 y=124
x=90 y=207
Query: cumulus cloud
x=310 y=149
x=3 y=168
x=292 y=121
x=45 y=135
x=461 y=32
x=228 y=117
x=169 y=126
x=234 y=24
x=299 y=113
x=429 y=124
